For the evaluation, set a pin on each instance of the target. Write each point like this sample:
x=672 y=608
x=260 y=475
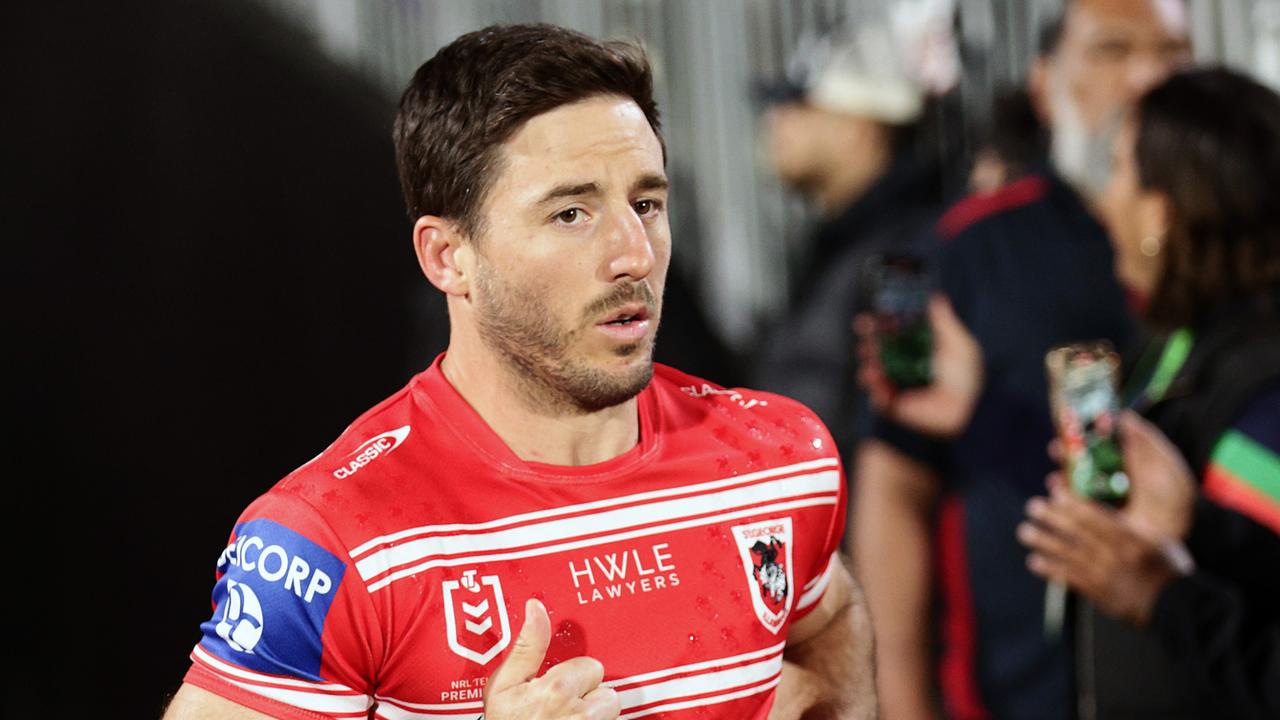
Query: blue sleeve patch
x=272 y=600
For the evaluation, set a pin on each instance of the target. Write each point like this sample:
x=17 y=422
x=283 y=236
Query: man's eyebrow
x=567 y=190
x=651 y=181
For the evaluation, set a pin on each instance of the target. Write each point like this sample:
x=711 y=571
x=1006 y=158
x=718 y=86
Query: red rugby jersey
x=387 y=577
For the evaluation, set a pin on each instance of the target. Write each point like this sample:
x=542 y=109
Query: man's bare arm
x=831 y=652
x=895 y=498
x=194 y=703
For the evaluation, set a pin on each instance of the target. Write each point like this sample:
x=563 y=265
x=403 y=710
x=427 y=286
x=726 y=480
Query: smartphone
x=900 y=289
x=1082 y=388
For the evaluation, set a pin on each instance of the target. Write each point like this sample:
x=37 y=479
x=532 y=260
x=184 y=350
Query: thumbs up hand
x=570 y=690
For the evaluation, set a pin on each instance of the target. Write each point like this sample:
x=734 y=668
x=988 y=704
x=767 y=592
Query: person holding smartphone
x=1191 y=559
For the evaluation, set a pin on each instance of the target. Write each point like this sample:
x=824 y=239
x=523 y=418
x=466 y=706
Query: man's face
x=574 y=254
x=791 y=140
x=1110 y=53
x=801 y=142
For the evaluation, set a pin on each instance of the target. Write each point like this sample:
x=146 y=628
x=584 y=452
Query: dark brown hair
x=480 y=89
x=1209 y=139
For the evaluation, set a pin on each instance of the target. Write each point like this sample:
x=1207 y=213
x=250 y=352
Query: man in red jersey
x=543 y=524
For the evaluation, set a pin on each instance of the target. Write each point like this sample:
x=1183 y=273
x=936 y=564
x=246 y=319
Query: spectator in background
x=1025 y=268
x=844 y=132
x=1014 y=144
x=1196 y=232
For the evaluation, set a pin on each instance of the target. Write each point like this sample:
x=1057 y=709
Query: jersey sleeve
x=291 y=635
x=1243 y=473
x=813 y=584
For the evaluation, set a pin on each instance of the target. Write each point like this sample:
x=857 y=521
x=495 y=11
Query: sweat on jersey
x=387 y=577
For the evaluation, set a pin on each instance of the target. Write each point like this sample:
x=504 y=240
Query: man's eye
x=645 y=207
x=569 y=216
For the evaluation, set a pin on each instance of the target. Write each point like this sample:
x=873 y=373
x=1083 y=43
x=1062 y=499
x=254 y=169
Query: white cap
x=883 y=64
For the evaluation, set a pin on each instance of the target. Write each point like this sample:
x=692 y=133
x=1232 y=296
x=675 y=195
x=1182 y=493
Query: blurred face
x=1137 y=219
x=801 y=142
x=1110 y=53
x=571 y=265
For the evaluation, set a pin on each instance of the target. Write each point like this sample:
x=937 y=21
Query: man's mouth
x=628 y=323
x=627 y=314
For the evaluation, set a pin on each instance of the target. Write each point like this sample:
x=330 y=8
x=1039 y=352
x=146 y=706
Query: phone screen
x=1086 y=410
x=900 y=300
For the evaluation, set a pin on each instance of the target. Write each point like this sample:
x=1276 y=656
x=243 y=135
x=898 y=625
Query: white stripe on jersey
x=703 y=702
x=705 y=665
x=730 y=679
x=730 y=683
x=533 y=538
x=330 y=698
x=449 y=711
x=601 y=539
x=225 y=668
x=813 y=591
x=339 y=706
x=824 y=463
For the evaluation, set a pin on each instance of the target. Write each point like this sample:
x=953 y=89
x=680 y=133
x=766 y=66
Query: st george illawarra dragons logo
x=765 y=548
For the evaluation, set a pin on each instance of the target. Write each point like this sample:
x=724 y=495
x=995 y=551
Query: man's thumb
x=531 y=647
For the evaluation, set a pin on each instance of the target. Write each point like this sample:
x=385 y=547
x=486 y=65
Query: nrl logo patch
x=485 y=630
x=765 y=548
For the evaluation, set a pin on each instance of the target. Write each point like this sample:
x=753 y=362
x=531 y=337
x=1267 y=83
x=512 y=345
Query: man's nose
x=630 y=252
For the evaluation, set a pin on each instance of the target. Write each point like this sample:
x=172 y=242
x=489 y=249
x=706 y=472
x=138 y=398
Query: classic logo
x=241 y=624
x=371 y=450
x=765 y=548
x=478 y=602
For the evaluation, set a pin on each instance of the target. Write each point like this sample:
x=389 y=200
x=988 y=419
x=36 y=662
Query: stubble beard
x=518 y=326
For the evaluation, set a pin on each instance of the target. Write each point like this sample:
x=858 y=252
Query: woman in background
x=1193 y=213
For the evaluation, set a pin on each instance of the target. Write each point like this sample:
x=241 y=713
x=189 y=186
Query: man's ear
x=444 y=256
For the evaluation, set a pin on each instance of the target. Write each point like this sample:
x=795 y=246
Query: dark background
x=213 y=278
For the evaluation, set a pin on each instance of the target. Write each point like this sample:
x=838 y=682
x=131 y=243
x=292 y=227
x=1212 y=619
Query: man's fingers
x=531 y=647
x=601 y=704
x=573 y=678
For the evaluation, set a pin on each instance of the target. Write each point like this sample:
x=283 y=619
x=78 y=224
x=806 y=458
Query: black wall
x=213 y=276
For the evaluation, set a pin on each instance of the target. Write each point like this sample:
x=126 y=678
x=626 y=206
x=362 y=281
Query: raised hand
x=1098 y=553
x=1162 y=490
x=944 y=407
x=570 y=690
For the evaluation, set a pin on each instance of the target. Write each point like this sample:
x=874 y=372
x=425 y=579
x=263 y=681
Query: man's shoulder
x=985 y=211
x=753 y=416
x=379 y=431
x=371 y=462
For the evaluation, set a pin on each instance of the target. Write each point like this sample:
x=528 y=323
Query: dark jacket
x=1213 y=646
x=809 y=354
x=1027 y=268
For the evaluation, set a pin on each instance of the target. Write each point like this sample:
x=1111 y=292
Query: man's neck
x=535 y=429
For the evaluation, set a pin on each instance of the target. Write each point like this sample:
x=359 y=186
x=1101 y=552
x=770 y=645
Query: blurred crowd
x=1121 y=199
